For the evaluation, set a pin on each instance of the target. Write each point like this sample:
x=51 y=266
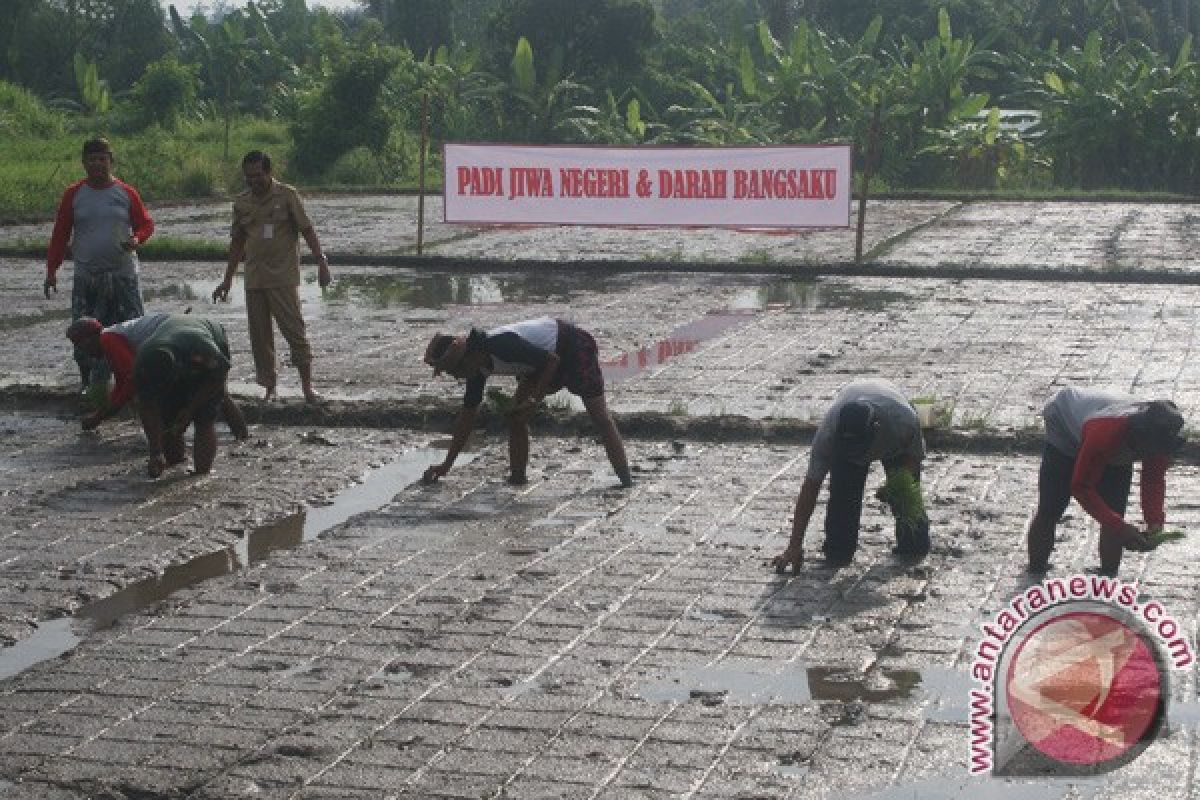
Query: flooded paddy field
x=570 y=639
x=988 y=353
x=310 y=622
x=1157 y=237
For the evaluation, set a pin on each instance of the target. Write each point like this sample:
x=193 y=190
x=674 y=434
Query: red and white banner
x=761 y=187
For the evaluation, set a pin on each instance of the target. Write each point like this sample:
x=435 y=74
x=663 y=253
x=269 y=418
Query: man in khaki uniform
x=267 y=223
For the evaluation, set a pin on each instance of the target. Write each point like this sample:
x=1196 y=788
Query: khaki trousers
x=281 y=304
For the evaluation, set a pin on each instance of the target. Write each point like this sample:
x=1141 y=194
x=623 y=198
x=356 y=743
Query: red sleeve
x=1154 y=489
x=139 y=217
x=120 y=357
x=1102 y=438
x=64 y=221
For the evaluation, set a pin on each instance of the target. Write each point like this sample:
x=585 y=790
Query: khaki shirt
x=271 y=226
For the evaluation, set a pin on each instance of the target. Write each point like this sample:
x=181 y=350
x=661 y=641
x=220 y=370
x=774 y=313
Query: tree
x=603 y=42
x=422 y=25
x=1122 y=117
x=347 y=111
x=538 y=110
x=238 y=56
x=166 y=91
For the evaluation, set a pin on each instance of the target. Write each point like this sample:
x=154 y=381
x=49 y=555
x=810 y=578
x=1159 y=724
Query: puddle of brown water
x=57 y=637
x=802 y=683
x=406 y=289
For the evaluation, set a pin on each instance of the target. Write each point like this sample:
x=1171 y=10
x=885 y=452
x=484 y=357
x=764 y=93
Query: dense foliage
x=1109 y=92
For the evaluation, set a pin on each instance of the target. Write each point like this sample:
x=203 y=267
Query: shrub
x=22 y=114
x=165 y=92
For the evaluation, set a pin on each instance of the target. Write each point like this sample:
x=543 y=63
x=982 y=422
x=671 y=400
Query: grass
x=186 y=164
x=758 y=255
x=158 y=248
x=1060 y=194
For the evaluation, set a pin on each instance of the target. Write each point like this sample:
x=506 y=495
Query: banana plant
x=982 y=153
x=1121 y=117
x=816 y=83
x=618 y=120
x=237 y=54
x=539 y=110
x=927 y=87
x=719 y=121
x=459 y=91
x=94 y=95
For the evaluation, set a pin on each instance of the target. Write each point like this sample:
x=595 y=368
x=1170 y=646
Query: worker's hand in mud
x=221 y=293
x=1133 y=539
x=92 y=421
x=51 y=283
x=434 y=472
x=156 y=465
x=182 y=420
x=792 y=557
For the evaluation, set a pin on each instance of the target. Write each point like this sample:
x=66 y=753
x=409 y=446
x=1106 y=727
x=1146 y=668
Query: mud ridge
x=437 y=416
x=1030 y=273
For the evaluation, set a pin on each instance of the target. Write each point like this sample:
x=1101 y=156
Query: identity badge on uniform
x=268 y=230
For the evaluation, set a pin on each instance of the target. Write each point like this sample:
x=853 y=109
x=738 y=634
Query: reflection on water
x=803 y=683
x=56 y=637
x=742 y=308
x=684 y=339
x=408 y=289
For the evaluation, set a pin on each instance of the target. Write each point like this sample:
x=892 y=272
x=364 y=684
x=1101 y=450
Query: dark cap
x=84 y=328
x=855 y=429
x=1157 y=427
x=444 y=352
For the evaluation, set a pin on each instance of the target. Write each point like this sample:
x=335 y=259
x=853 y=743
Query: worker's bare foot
x=269 y=395
x=311 y=397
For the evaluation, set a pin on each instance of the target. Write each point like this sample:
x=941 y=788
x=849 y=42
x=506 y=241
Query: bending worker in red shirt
x=118 y=345
x=1092 y=439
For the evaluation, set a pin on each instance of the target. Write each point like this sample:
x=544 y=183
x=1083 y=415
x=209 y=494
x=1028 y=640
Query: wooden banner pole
x=421 y=177
x=869 y=160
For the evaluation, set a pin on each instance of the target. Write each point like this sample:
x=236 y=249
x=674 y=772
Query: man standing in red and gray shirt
x=1092 y=439
x=108 y=222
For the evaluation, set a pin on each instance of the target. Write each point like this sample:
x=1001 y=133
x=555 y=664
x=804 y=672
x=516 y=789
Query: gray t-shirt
x=137 y=330
x=899 y=431
x=1068 y=410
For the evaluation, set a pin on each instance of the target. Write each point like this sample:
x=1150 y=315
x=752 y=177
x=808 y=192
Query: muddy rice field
x=309 y=621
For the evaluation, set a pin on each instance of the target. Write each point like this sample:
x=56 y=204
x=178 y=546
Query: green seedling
x=903 y=493
x=95 y=397
x=500 y=400
x=1162 y=537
